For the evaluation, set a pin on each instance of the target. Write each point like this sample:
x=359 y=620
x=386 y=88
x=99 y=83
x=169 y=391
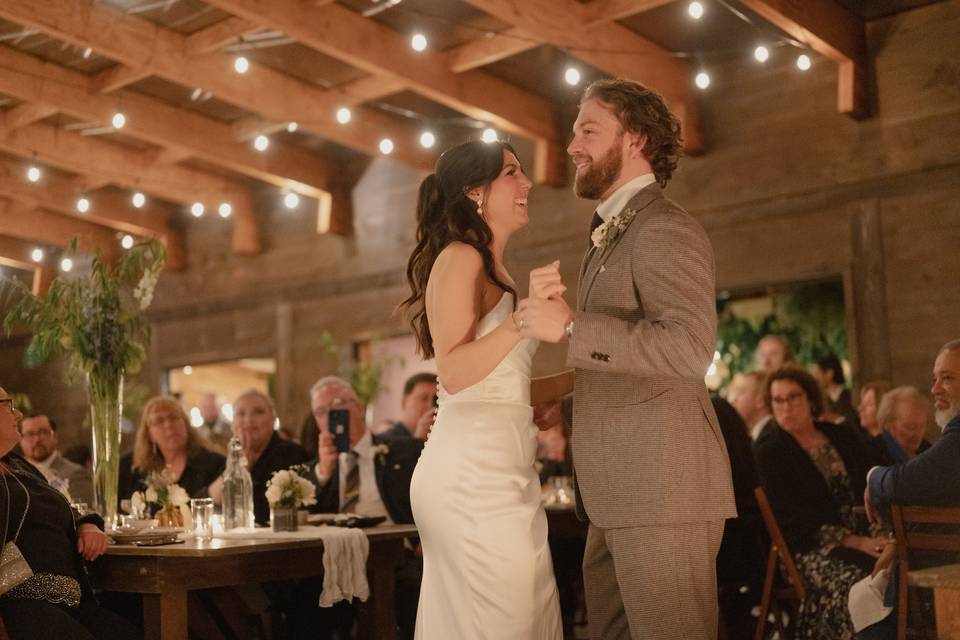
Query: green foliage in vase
x=95 y=319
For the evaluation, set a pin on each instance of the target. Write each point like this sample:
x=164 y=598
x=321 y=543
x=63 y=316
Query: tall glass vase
x=106 y=411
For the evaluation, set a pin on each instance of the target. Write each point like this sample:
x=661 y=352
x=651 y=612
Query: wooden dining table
x=945 y=582
x=165 y=574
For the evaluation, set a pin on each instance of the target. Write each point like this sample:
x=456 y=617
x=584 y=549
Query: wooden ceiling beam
x=833 y=32
x=487 y=50
x=138 y=43
x=47 y=228
x=15 y=253
x=181 y=131
x=610 y=47
x=601 y=11
x=117 y=77
x=219 y=35
x=363 y=43
x=26 y=113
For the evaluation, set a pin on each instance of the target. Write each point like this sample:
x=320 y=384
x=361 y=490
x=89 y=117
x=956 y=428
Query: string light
x=197 y=209
x=261 y=142
x=196 y=94
x=126 y=241
x=118 y=120
x=37 y=255
x=187 y=370
x=386 y=146
x=225 y=209
x=761 y=54
x=572 y=76
x=489 y=135
x=66 y=265
x=34 y=174
x=702 y=80
x=695 y=9
x=343 y=115
x=291 y=200
x=292 y=126
x=87 y=52
x=418 y=42
x=427 y=139
x=138 y=200
x=803 y=62
x=241 y=65
x=83 y=204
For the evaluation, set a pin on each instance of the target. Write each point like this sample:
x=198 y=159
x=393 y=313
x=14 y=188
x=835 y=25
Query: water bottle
x=237 y=489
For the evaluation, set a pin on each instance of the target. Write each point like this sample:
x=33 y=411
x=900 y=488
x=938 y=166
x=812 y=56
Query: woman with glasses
x=54 y=598
x=814 y=474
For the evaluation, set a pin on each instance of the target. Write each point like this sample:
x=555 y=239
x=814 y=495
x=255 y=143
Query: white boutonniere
x=380 y=452
x=603 y=235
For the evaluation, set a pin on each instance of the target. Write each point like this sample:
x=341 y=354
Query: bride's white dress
x=487 y=571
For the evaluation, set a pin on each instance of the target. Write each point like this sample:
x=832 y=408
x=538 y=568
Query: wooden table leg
x=947 y=603
x=165 y=616
x=378 y=620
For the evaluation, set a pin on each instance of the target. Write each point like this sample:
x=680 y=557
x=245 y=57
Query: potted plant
x=287 y=490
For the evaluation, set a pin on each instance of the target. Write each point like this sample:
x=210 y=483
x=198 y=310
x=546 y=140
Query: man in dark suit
x=419 y=393
x=932 y=478
x=371 y=479
x=38 y=442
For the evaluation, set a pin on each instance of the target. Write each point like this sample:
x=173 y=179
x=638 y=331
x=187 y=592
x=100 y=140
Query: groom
x=652 y=472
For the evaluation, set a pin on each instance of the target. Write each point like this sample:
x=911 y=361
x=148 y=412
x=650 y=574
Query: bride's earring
x=480 y=208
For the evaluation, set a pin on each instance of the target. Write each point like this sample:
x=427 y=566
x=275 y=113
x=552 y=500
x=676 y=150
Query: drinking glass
x=201 y=511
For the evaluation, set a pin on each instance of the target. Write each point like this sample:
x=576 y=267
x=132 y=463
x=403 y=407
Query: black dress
x=57 y=602
x=202 y=468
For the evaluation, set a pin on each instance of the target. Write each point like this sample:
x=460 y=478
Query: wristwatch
x=568 y=329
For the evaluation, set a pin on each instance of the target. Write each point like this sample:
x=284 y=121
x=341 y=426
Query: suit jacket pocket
x=637 y=394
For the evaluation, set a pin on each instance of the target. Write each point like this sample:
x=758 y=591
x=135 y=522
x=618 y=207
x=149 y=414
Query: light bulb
x=386 y=146
x=572 y=76
x=138 y=199
x=225 y=209
x=87 y=52
x=66 y=265
x=37 y=255
x=261 y=142
x=761 y=54
x=34 y=174
x=489 y=135
x=427 y=139
x=196 y=94
x=197 y=209
x=118 y=120
x=418 y=42
x=187 y=370
x=703 y=80
x=292 y=126
x=126 y=241
x=695 y=9
x=83 y=204
x=343 y=115
x=241 y=65
x=803 y=62
x=291 y=201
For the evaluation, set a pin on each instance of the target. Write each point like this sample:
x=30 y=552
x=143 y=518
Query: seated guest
x=932 y=478
x=254 y=418
x=56 y=601
x=772 y=352
x=871 y=394
x=417 y=405
x=814 y=474
x=746 y=396
x=38 y=444
x=165 y=443
x=215 y=428
x=838 y=402
x=903 y=416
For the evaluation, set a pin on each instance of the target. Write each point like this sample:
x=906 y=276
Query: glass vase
x=283 y=518
x=106 y=412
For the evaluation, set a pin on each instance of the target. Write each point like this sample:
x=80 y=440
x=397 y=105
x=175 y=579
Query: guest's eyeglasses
x=790 y=398
x=13 y=409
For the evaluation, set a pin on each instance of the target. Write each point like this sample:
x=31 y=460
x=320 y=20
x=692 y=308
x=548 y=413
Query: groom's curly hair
x=641 y=110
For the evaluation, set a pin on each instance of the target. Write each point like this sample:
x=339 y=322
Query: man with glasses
x=38 y=442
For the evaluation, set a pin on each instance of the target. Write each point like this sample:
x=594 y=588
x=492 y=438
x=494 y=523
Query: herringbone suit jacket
x=647 y=446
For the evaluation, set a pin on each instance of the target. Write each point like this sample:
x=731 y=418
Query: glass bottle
x=237 y=489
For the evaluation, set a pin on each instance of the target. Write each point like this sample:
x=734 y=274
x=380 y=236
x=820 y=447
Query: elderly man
x=38 y=442
x=772 y=352
x=932 y=478
x=903 y=416
x=419 y=392
x=746 y=396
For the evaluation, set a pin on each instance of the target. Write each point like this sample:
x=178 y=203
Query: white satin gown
x=487 y=571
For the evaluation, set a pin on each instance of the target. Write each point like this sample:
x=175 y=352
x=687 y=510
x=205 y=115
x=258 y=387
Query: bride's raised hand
x=545 y=282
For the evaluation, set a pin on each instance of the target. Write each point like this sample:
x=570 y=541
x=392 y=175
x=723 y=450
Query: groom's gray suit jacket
x=647 y=447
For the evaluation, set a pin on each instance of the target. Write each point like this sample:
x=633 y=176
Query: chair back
x=779 y=543
x=909 y=538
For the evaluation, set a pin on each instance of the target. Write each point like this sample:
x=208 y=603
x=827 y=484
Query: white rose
x=281 y=478
x=308 y=492
x=151 y=494
x=274 y=494
x=178 y=495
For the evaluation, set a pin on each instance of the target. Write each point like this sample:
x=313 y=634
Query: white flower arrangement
x=604 y=234
x=161 y=491
x=380 y=451
x=287 y=488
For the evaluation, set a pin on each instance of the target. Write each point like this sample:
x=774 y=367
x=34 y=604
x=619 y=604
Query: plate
x=148 y=536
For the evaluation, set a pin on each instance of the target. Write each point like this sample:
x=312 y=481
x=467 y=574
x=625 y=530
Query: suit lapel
x=596 y=260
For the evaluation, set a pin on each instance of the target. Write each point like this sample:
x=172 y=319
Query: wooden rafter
x=608 y=46
x=484 y=51
x=833 y=32
x=140 y=44
x=219 y=35
x=183 y=132
x=23 y=114
x=52 y=229
x=16 y=253
x=341 y=33
x=601 y=11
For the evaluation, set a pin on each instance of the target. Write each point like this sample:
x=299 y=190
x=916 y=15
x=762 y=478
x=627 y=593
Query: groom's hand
x=544 y=319
x=545 y=282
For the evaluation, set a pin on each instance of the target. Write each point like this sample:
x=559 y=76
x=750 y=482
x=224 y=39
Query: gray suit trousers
x=652 y=583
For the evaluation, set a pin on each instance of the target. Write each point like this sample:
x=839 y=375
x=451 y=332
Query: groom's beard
x=944 y=416
x=601 y=174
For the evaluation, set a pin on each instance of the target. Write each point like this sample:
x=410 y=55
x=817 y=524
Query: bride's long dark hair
x=445 y=214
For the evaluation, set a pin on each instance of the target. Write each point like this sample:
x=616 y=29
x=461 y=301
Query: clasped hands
x=545 y=314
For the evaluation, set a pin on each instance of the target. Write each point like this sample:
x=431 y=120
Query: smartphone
x=338 y=421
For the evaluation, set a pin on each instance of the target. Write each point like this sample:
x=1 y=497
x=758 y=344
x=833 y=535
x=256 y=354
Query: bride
x=487 y=571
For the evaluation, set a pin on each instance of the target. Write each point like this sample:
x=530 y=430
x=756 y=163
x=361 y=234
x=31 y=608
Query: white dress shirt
x=758 y=426
x=619 y=198
x=369 y=502
x=45 y=467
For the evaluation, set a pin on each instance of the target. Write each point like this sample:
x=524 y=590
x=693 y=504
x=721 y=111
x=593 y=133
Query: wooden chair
x=910 y=538
x=775 y=596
